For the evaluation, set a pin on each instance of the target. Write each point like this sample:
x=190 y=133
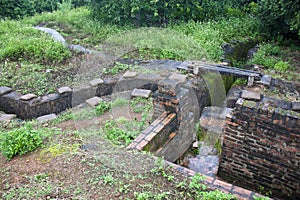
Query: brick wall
x=261 y=149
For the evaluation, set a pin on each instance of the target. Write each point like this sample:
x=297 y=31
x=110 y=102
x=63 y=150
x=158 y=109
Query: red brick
x=150 y=136
x=241 y=191
x=141 y=145
x=158 y=128
x=172 y=135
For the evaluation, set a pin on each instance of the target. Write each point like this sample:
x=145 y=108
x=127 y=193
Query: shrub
x=281 y=66
x=279 y=16
x=16 y=9
x=157 y=12
x=19 y=141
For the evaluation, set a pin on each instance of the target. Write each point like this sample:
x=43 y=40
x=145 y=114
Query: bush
x=15 y=9
x=151 y=13
x=279 y=16
x=19 y=141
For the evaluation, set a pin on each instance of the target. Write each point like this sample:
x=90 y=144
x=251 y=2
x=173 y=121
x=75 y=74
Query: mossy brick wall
x=261 y=149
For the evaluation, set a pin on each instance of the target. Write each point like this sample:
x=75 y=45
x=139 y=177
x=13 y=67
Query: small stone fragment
x=64 y=90
x=94 y=101
x=296 y=106
x=96 y=82
x=4 y=90
x=250 y=95
x=7 y=117
x=141 y=93
x=46 y=118
x=130 y=74
x=195 y=145
x=178 y=77
x=27 y=97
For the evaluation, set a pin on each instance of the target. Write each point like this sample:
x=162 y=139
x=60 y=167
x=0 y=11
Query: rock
x=178 y=77
x=296 y=106
x=7 y=117
x=195 y=145
x=250 y=95
x=27 y=97
x=96 y=82
x=64 y=90
x=4 y=90
x=130 y=74
x=46 y=118
x=141 y=93
x=94 y=101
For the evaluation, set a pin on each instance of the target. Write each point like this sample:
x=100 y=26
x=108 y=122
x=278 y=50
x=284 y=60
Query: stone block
x=141 y=93
x=96 y=82
x=296 y=106
x=64 y=90
x=4 y=90
x=7 y=117
x=46 y=118
x=94 y=101
x=130 y=74
x=27 y=97
x=250 y=95
x=266 y=80
x=180 y=78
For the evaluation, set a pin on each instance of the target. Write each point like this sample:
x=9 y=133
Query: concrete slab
x=46 y=118
x=94 y=101
x=178 y=77
x=266 y=80
x=96 y=82
x=130 y=74
x=250 y=95
x=64 y=90
x=7 y=117
x=27 y=97
x=4 y=90
x=141 y=93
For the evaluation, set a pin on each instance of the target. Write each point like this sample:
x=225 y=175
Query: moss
x=250 y=104
x=51 y=152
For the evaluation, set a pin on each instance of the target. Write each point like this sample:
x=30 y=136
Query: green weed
x=102 y=107
x=20 y=141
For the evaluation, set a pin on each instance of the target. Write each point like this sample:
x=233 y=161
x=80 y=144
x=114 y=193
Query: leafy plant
x=102 y=107
x=118 y=135
x=117 y=68
x=281 y=66
x=20 y=141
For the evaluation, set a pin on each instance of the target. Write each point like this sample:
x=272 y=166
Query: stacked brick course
x=261 y=148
